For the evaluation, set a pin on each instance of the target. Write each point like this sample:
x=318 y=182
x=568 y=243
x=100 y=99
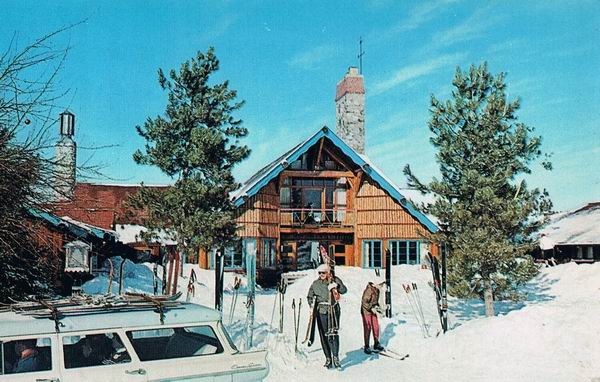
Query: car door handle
x=139 y=371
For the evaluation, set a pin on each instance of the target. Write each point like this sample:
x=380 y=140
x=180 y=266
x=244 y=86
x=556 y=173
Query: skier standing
x=325 y=292
x=369 y=307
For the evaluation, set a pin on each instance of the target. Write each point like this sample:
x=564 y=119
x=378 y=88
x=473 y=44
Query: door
x=182 y=353
x=32 y=358
x=99 y=356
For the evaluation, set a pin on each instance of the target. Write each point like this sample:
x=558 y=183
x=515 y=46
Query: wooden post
x=176 y=272
x=170 y=274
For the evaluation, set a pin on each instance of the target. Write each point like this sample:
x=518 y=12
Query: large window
x=314 y=200
x=267 y=253
x=372 y=254
x=94 y=350
x=405 y=252
x=166 y=343
x=25 y=356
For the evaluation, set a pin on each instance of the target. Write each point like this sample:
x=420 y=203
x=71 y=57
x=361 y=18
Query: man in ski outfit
x=368 y=310
x=328 y=310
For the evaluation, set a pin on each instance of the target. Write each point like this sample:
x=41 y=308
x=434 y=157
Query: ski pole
x=418 y=299
x=274 y=305
x=408 y=298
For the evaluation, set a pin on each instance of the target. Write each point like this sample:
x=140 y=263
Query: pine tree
x=484 y=207
x=196 y=143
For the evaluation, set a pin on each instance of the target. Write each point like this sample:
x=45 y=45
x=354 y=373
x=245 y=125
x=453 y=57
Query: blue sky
x=285 y=58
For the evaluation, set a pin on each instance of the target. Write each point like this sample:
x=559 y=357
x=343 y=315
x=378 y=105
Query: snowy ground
x=553 y=336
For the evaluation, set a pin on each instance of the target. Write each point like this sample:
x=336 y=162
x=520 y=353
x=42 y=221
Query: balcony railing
x=310 y=217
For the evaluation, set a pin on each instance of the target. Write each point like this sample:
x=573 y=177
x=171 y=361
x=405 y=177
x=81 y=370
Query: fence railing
x=300 y=217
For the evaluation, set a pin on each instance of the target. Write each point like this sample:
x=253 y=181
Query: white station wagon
x=185 y=342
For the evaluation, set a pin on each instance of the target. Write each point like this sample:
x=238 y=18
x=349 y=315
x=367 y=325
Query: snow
x=552 y=336
x=581 y=227
x=132 y=233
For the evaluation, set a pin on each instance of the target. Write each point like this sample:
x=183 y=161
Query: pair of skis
x=296 y=321
x=237 y=282
x=439 y=287
x=392 y=354
x=310 y=328
x=416 y=305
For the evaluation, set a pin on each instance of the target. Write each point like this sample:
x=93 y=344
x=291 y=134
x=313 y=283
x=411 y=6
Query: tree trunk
x=488 y=297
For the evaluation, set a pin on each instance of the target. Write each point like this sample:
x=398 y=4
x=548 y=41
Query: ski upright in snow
x=310 y=329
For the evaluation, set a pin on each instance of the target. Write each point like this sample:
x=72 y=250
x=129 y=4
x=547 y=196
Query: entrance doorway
x=301 y=252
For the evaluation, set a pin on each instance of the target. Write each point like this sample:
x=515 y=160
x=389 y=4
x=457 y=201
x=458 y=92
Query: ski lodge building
x=326 y=191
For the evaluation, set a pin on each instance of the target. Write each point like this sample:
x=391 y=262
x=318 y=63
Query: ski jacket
x=370 y=298
x=319 y=290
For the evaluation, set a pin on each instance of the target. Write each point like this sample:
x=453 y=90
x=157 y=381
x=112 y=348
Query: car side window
x=166 y=343
x=94 y=350
x=25 y=355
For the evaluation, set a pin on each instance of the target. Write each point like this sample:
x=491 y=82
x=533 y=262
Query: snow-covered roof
x=273 y=169
x=132 y=233
x=578 y=227
x=77 y=228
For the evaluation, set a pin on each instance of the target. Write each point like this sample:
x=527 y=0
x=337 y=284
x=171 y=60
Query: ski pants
x=329 y=343
x=370 y=324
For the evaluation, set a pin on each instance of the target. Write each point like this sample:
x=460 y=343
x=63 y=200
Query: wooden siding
x=380 y=217
x=259 y=216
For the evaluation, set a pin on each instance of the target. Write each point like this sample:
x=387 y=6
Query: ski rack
x=56 y=309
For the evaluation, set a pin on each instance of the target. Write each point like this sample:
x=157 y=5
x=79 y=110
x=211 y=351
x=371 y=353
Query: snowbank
x=552 y=336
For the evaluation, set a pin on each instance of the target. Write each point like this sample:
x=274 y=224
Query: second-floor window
x=314 y=200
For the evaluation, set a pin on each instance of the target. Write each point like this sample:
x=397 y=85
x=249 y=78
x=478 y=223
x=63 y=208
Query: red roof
x=102 y=205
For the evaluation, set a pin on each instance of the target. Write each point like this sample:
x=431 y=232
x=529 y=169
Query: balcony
x=310 y=218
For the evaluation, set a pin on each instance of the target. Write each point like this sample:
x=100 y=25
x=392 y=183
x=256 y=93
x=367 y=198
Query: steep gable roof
x=273 y=169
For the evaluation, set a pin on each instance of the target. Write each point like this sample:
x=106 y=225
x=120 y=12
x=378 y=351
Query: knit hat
x=323 y=268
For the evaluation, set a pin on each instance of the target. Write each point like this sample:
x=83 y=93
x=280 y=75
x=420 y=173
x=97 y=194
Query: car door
x=29 y=358
x=182 y=353
x=98 y=356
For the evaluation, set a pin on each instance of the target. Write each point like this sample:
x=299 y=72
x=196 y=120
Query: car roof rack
x=56 y=309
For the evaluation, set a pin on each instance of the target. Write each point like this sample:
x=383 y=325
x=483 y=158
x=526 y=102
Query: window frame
x=394 y=246
x=225 y=346
x=263 y=263
x=368 y=259
x=122 y=337
x=39 y=373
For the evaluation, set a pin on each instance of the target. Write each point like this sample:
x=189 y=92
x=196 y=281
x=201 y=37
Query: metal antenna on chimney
x=361 y=53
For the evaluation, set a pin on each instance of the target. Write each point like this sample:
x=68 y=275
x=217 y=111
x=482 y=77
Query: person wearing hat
x=322 y=292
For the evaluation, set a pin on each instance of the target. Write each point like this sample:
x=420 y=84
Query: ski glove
x=377 y=309
x=332 y=286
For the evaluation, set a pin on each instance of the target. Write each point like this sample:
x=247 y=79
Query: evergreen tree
x=485 y=209
x=196 y=143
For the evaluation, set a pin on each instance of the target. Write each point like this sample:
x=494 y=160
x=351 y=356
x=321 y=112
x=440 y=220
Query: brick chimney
x=350 y=110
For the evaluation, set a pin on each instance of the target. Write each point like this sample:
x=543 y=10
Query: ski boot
x=327 y=363
x=367 y=350
x=336 y=363
x=378 y=347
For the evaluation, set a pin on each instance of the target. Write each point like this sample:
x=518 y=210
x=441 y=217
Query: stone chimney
x=66 y=163
x=350 y=110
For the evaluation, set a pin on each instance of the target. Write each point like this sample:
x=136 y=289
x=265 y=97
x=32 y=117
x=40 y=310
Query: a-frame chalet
x=325 y=191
